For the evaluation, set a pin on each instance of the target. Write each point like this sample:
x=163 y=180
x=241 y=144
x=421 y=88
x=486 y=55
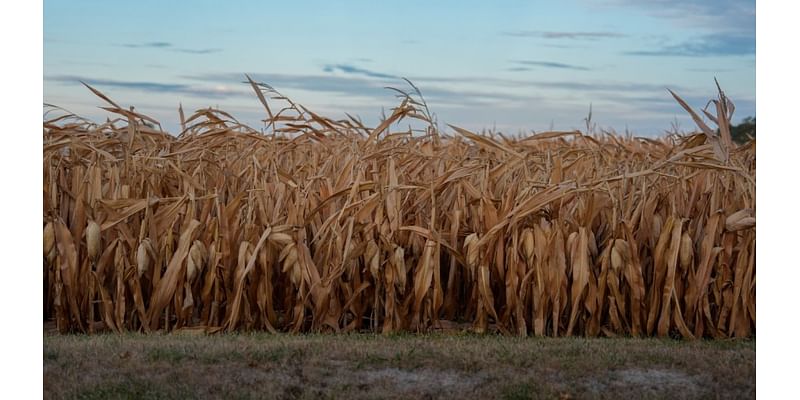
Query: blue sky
x=512 y=65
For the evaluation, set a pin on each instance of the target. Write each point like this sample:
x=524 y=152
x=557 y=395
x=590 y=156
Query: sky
x=511 y=66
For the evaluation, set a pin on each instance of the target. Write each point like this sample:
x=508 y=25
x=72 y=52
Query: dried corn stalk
x=323 y=225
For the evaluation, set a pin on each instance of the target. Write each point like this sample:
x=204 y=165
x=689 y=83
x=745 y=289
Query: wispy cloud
x=713 y=70
x=216 y=92
x=197 y=51
x=578 y=86
x=353 y=70
x=221 y=86
x=545 y=64
x=564 y=46
x=170 y=47
x=468 y=98
x=717 y=15
x=469 y=101
x=718 y=44
x=89 y=63
x=443 y=92
x=605 y=86
x=155 y=45
x=564 y=35
x=667 y=105
x=463 y=90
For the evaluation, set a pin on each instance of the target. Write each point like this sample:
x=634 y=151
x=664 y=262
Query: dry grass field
x=329 y=226
x=397 y=366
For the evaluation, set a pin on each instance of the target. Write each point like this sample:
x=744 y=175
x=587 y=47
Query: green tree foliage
x=741 y=133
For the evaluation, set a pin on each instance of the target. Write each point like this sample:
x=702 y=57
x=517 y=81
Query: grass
x=399 y=366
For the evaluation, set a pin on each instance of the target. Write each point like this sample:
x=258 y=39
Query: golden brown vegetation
x=324 y=225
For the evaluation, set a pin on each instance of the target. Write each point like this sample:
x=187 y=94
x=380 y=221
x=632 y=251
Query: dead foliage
x=314 y=224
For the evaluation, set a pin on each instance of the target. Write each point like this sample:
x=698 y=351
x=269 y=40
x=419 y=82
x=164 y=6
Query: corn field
x=319 y=225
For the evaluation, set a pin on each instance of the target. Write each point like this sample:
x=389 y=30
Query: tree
x=739 y=133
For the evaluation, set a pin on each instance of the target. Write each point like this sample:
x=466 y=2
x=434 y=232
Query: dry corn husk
x=49 y=242
x=288 y=257
x=527 y=244
x=472 y=249
x=143 y=257
x=281 y=238
x=372 y=256
x=195 y=261
x=92 y=240
x=318 y=225
x=399 y=264
x=616 y=256
x=572 y=242
x=740 y=220
x=686 y=252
